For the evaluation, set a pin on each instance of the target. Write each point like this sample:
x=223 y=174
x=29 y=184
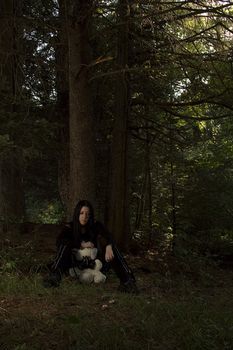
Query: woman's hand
x=109 y=253
x=87 y=245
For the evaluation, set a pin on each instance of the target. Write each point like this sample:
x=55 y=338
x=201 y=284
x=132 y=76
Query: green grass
x=186 y=310
x=76 y=317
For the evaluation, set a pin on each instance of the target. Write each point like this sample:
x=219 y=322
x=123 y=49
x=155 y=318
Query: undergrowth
x=174 y=311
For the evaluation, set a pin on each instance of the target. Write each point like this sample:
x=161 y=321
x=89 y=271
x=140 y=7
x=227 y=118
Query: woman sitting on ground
x=85 y=232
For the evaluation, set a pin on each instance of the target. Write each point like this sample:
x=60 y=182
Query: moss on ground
x=177 y=309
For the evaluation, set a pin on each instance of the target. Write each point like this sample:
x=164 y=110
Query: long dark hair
x=76 y=224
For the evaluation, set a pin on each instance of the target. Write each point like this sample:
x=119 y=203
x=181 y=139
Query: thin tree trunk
x=62 y=81
x=149 y=188
x=173 y=199
x=141 y=200
x=173 y=188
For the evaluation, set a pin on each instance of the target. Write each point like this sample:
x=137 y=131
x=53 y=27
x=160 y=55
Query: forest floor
x=182 y=305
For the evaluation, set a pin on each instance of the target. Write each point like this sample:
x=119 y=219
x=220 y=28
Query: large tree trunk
x=119 y=208
x=82 y=160
x=11 y=186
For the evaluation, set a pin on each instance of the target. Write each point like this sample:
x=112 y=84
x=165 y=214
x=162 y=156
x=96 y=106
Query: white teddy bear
x=88 y=275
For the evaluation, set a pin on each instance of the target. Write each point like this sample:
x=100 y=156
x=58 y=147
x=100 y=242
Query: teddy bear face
x=86 y=252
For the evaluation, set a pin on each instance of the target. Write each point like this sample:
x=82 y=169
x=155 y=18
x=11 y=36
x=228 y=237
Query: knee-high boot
x=123 y=272
x=61 y=263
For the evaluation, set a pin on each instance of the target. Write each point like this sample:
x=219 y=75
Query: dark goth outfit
x=100 y=237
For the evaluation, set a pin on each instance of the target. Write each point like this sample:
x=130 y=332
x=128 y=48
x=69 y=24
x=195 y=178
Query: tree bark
x=119 y=208
x=82 y=159
x=11 y=184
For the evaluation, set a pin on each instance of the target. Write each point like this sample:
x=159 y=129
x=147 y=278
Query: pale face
x=84 y=215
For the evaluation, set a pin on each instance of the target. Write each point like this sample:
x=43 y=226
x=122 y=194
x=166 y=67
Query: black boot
x=52 y=280
x=129 y=287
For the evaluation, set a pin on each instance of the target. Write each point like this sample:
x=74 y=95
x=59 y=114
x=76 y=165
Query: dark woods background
x=125 y=103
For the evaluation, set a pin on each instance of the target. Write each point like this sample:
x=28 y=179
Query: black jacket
x=96 y=232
